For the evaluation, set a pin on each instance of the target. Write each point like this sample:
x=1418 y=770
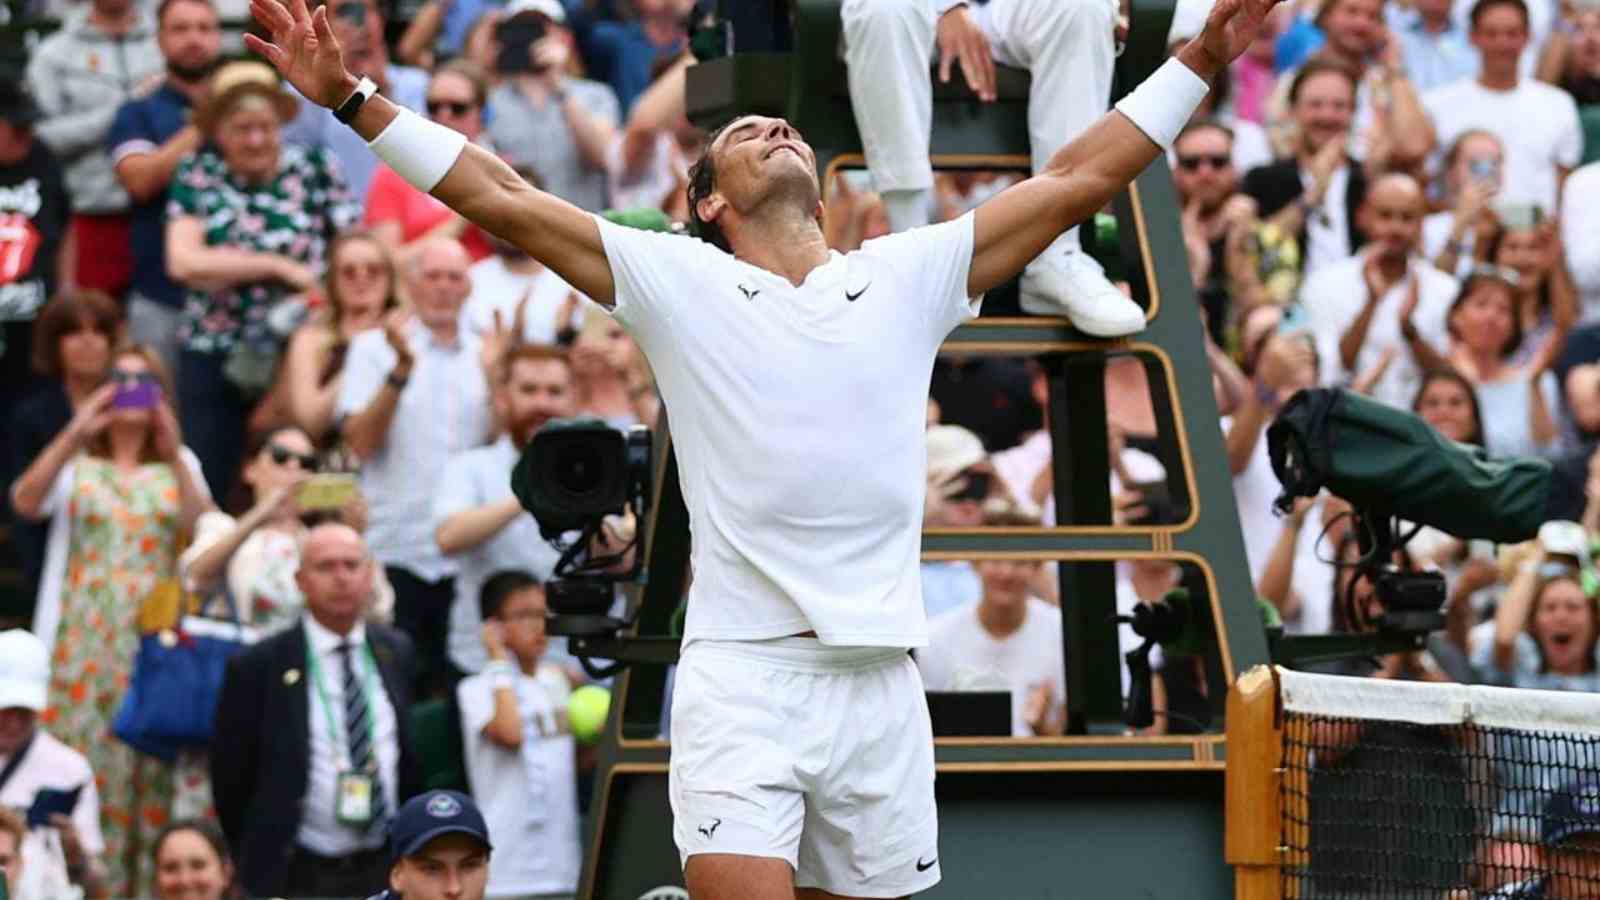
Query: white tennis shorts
x=821 y=756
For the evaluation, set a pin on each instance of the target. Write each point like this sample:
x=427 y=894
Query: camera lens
x=579 y=470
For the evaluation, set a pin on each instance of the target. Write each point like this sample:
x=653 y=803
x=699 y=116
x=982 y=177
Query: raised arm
x=1014 y=227
x=476 y=184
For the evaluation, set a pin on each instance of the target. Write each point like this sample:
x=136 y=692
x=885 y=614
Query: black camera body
x=516 y=37
x=1413 y=602
x=571 y=476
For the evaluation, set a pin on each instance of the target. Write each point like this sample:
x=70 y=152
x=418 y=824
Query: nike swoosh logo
x=925 y=866
x=852 y=297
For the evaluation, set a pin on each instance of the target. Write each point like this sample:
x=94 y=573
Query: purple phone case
x=143 y=395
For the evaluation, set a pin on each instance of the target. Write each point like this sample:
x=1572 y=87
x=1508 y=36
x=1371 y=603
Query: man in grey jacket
x=101 y=57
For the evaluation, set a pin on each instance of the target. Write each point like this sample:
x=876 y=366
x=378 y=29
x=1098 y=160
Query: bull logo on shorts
x=709 y=830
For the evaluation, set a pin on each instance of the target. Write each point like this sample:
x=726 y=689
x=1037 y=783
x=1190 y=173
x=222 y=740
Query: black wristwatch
x=397 y=381
x=347 y=110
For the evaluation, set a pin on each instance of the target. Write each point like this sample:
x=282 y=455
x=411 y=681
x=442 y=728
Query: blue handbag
x=171 y=702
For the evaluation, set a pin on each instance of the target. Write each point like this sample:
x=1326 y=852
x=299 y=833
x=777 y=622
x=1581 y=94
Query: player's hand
x=1230 y=29
x=303 y=49
x=961 y=40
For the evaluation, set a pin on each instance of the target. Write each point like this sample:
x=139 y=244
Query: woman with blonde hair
x=120 y=487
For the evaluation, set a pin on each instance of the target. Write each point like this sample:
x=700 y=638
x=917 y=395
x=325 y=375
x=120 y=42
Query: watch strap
x=346 y=111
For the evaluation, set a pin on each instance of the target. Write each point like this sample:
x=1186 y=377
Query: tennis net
x=1343 y=787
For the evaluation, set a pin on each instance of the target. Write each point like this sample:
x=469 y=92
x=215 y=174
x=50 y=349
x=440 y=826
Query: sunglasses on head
x=1214 y=160
x=281 y=455
x=125 y=376
x=454 y=107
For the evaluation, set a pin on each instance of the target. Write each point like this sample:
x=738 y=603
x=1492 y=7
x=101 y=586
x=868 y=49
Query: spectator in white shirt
x=521 y=757
x=56 y=861
x=1537 y=123
x=414 y=395
x=1382 y=311
x=1580 y=222
x=1006 y=639
x=516 y=287
x=1457 y=236
x=1519 y=401
x=960 y=478
x=479 y=525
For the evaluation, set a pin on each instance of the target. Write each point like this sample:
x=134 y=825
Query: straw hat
x=235 y=80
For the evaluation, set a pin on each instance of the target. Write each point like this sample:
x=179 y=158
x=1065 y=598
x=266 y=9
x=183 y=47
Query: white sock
x=1066 y=243
x=907 y=209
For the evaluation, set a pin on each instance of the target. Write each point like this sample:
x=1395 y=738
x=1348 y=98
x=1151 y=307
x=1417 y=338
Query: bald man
x=416 y=393
x=1361 y=310
x=311 y=754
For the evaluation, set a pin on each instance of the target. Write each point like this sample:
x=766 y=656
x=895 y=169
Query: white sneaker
x=1074 y=285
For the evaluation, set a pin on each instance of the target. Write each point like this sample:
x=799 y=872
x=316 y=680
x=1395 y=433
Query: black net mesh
x=1377 y=809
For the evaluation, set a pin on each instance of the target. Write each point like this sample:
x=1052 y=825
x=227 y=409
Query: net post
x=1254 y=773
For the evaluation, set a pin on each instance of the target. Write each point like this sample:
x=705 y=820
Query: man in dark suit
x=311 y=755
x=1315 y=194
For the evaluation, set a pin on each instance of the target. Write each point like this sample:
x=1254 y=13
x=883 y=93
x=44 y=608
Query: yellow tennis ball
x=586 y=712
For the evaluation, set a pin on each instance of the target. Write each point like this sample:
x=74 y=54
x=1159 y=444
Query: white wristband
x=418 y=150
x=1163 y=104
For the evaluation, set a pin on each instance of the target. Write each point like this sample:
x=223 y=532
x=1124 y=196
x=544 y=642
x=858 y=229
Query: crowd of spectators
x=213 y=295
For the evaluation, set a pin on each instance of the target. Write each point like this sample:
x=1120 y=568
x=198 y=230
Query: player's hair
x=702 y=181
x=533 y=353
x=161 y=9
x=12 y=824
x=1483 y=6
x=64 y=315
x=498 y=589
x=1322 y=66
x=1203 y=125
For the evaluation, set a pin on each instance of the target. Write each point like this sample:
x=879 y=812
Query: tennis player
x=802 y=756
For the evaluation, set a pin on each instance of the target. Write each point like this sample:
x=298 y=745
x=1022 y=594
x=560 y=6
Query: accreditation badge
x=353 y=803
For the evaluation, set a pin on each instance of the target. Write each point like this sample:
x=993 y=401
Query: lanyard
x=334 y=733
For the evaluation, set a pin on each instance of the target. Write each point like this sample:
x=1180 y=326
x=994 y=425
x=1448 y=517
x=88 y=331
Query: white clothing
x=1580 y=222
x=948 y=584
x=1436 y=233
x=776 y=390
x=1020 y=466
x=495 y=288
x=53 y=765
x=1537 y=124
x=1541 y=19
x=528 y=796
x=1507 y=422
x=443 y=410
x=47 y=608
x=320 y=832
x=821 y=756
x=1335 y=296
x=1066 y=44
x=1328 y=226
x=962 y=655
x=475 y=478
x=1254 y=490
x=657 y=179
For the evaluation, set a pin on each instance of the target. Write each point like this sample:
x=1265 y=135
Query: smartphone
x=978 y=485
x=49 y=801
x=1294 y=319
x=138 y=395
x=1519 y=216
x=516 y=37
x=327 y=491
x=1484 y=168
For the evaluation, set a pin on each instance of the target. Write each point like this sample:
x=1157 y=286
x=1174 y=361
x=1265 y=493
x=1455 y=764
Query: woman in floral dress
x=249 y=221
x=119 y=486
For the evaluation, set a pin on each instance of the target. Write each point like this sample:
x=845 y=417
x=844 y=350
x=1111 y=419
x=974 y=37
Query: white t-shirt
x=799 y=419
x=53 y=765
x=1334 y=297
x=496 y=288
x=1537 y=123
x=961 y=655
x=528 y=796
x=1328 y=225
x=1436 y=233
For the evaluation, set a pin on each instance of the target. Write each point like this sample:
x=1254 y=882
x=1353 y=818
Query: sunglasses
x=126 y=377
x=281 y=455
x=454 y=107
x=1214 y=160
x=371 y=270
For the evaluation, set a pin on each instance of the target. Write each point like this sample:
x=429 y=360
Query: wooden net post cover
x=1254 y=776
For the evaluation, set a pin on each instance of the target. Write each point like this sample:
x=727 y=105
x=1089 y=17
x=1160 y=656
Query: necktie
x=357 y=720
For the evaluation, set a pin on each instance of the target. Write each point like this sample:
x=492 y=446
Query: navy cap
x=1572 y=811
x=427 y=816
